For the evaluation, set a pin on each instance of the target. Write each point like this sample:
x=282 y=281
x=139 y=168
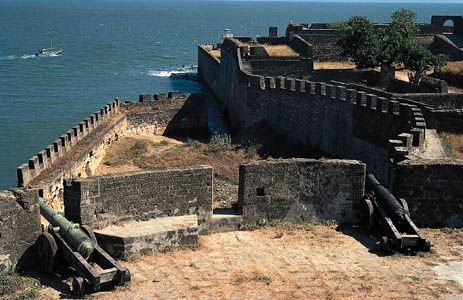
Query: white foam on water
x=157 y=73
x=168 y=73
x=26 y=56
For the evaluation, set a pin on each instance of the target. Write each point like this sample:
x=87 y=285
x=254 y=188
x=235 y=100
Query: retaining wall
x=19 y=229
x=301 y=190
x=102 y=200
x=433 y=190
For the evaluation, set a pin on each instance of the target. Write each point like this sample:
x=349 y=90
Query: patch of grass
x=280 y=51
x=15 y=287
x=364 y=287
x=333 y=65
x=126 y=150
x=263 y=278
x=243 y=277
x=164 y=143
x=140 y=147
x=454 y=67
x=453 y=144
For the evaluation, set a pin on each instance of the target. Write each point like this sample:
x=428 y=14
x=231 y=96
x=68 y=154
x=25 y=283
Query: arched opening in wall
x=449 y=27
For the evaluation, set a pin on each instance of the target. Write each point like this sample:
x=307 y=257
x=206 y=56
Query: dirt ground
x=138 y=152
x=293 y=262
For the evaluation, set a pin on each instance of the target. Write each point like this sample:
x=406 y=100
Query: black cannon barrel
x=386 y=200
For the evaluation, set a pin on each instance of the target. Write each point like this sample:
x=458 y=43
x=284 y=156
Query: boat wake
x=192 y=69
x=25 y=56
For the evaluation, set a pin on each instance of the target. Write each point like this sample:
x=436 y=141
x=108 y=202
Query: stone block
x=155 y=235
x=19 y=229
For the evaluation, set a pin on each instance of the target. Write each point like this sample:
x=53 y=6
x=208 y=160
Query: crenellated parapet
x=387 y=122
x=46 y=158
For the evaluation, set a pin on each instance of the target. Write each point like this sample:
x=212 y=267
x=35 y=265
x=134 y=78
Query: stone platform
x=225 y=220
x=138 y=237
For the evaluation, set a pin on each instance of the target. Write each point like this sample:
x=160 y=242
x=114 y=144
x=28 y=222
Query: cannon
x=77 y=246
x=389 y=218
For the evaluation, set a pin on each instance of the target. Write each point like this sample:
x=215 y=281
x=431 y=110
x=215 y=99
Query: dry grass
x=453 y=144
x=216 y=53
x=333 y=65
x=292 y=263
x=280 y=51
x=454 y=67
x=136 y=154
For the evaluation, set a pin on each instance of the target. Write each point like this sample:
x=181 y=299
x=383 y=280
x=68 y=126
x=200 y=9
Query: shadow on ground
x=362 y=237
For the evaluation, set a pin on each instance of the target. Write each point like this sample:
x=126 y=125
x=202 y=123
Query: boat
x=46 y=52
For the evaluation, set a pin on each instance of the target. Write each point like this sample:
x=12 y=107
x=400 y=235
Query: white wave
x=28 y=56
x=157 y=73
x=168 y=73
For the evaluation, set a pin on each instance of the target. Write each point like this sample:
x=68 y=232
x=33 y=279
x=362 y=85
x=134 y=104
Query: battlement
x=46 y=158
x=396 y=126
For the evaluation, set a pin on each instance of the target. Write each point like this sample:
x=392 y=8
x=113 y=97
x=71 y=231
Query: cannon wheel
x=78 y=286
x=405 y=206
x=427 y=245
x=384 y=244
x=369 y=220
x=88 y=231
x=46 y=250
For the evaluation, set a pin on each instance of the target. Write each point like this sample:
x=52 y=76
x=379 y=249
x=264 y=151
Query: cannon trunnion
x=77 y=246
x=389 y=218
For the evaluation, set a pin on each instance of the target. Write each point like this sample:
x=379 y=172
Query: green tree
x=392 y=45
x=359 y=42
x=418 y=60
x=398 y=37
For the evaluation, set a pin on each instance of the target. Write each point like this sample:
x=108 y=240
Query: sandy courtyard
x=287 y=262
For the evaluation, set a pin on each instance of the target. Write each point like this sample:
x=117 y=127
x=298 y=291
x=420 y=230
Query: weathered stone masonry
x=102 y=200
x=301 y=190
x=19 y=228
x=377 y=129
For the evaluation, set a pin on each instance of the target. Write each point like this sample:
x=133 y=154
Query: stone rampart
x=175 y=115
x=102 y=200
x=279 y=66
x=433 y=190
x=47 y=158
x=341 y=122
x=208 y=67
x=301 y=190
x=19 y=228
x=81 y=161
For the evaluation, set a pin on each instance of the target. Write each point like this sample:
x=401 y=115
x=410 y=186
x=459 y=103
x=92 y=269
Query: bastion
x=268 y=84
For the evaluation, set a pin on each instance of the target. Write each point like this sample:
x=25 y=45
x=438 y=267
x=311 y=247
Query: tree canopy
x=369 y=46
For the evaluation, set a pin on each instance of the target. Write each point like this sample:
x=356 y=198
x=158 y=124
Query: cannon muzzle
x=70 y=232
x=386 y=200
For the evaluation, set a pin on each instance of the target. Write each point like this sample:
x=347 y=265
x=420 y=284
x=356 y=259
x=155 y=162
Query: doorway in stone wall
x=449 y=27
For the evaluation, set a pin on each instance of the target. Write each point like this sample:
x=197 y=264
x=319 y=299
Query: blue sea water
x=122 y=49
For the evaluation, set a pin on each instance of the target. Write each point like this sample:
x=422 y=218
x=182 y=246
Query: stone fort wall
x=75 y=154
x=102 y=200
x=301 y=190
x=341 y=122
x=19 y=228
x=376 y=129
